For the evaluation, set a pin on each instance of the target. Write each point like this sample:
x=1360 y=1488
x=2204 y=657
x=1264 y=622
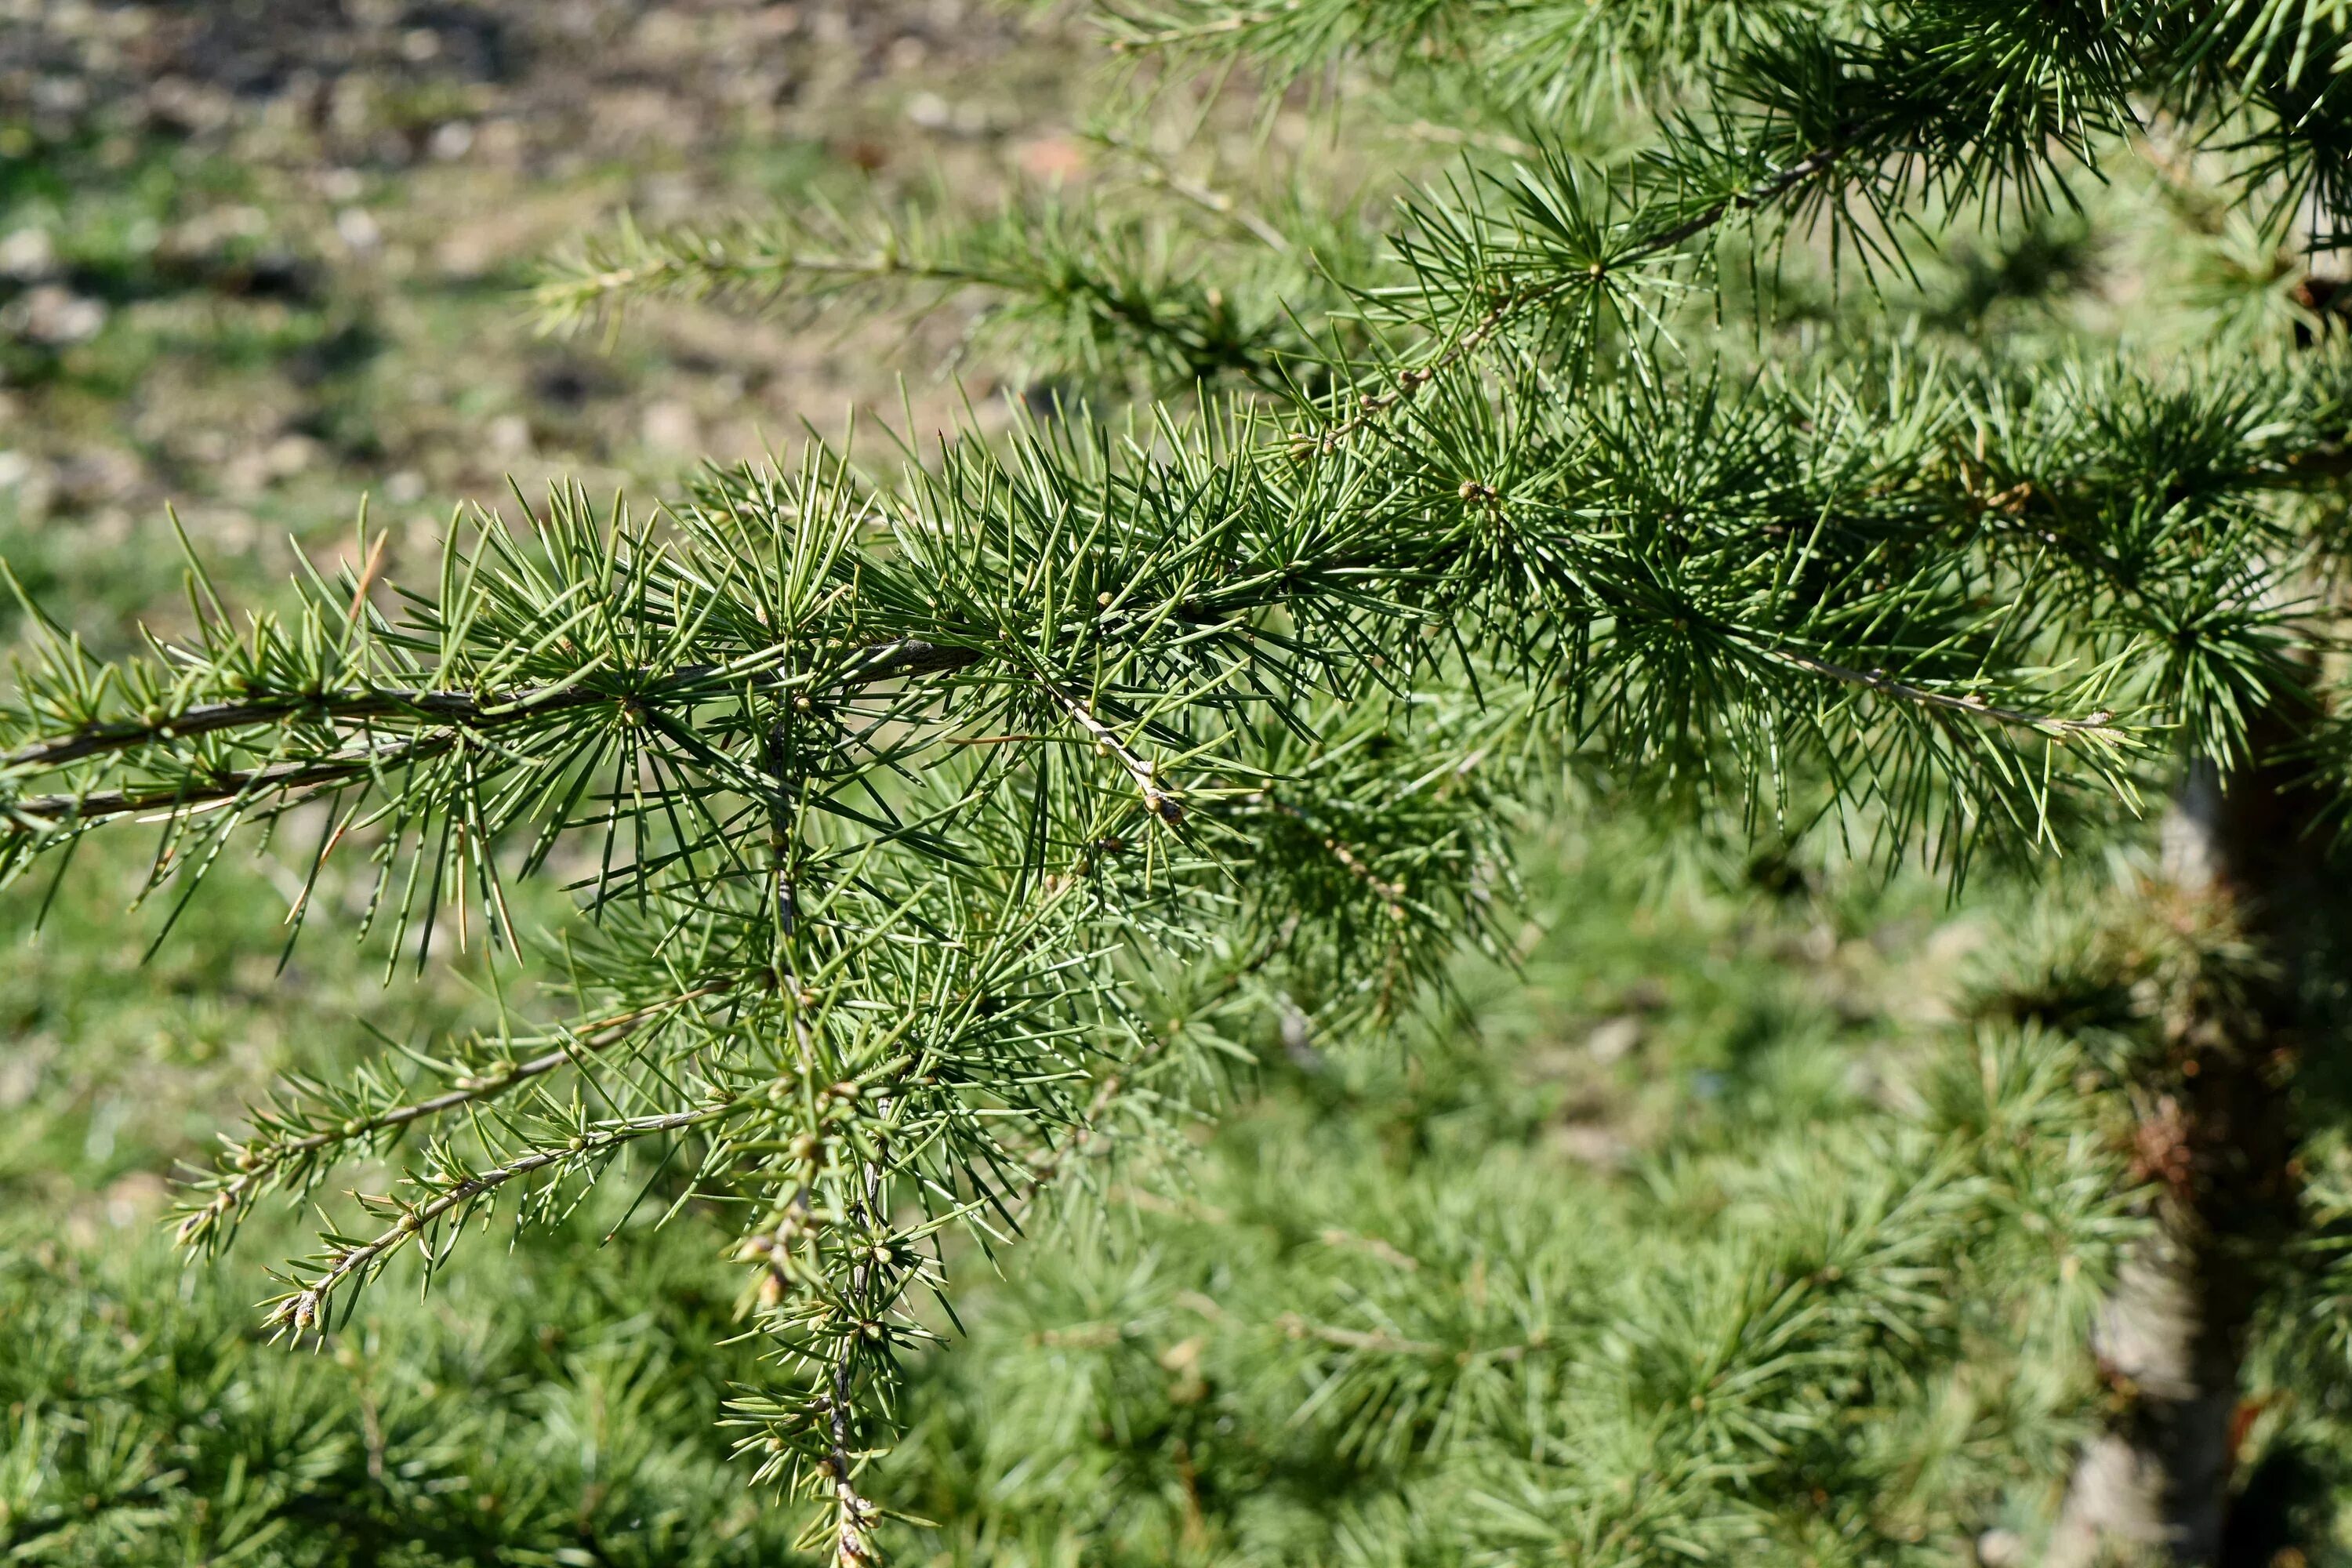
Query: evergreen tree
x=1695 y=448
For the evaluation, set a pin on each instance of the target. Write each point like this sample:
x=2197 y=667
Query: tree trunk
x=2240 y=886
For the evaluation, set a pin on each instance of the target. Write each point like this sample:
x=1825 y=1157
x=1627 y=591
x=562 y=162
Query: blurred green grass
x=1649 y=1021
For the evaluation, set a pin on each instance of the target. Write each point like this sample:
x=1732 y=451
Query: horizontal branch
x=1372 y=405
x=461 y=712
x=254 y=1169
x=1297 y=1328
x=886 y=660
x=221 y=789
x=300 y=1310
x=1391 y=894
x=336 y=707
x=1161 y=802
x=2098 y=725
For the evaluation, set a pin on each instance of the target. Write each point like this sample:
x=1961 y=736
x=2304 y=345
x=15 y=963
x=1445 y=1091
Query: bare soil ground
x=259 y=256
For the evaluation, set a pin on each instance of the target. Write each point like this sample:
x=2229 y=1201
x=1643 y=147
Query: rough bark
x=2240 y=883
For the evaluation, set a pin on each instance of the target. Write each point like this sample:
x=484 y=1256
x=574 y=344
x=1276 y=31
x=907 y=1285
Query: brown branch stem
x=300 y=1310
x=1391 y=894
x=1162 y=803
x=1372 y=405
x=886 y=660
x=2098 y=725
x=596 y=1036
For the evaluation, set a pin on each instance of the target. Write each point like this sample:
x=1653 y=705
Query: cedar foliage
x=943 y=825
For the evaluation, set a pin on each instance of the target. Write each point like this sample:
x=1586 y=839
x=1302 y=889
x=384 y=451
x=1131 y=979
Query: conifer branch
x=822 y=724
x=1164 y=173
x=256 y=1163
x=889 y=660
x=1077 y=287
x=1157 y=800
x=305 y=1307
x=853 y=1515
x=2098 y=725
x=1391 y=894
x=298 y=780
x=1371 y=407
